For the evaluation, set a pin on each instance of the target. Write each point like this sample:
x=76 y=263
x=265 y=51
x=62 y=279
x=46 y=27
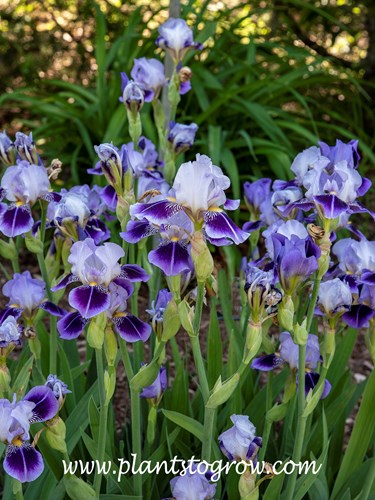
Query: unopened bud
x=201 y=256
x=110 y=345
x=56 y=434
x=133 y=97
x=186 y=313
x=95 y=332
x=286 y=313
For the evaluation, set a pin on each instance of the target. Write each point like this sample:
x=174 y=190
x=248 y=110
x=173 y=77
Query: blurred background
x=274 y=77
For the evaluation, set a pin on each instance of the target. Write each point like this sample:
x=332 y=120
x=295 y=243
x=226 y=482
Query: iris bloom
x=22 y=185
x=330 y=178
x=289 y=353
x=25 y=293
x=22 y=461
x=176 y=37
x=240 y=441
x=181 y=136
x=193 y=486
x=149 y=75
x=105 y=287
x=197 y=191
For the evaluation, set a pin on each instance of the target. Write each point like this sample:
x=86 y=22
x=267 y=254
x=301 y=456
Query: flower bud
x=171 y=321
x=56 y=434
x=253 y=340
x=286 y=313
x=95 y=332
x=300 y=333
x=8 y=250
x=4 y=378
x=34 y=243
x=77 y=488
x=146 y=375
x=222 y=391
x=246 y=486
x=109 y=383
x=201 y=256
x=133 y=97
x=186 y=313
x=110 y=345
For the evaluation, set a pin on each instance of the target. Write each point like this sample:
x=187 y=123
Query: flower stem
x=209 y=421
x=196 y=348
x=135 y=419
x=301 y=425
x=103 y=417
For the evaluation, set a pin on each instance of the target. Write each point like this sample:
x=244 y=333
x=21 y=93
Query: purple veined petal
x=364 y=187
x=10 y=311
x=97 y=230
x=70 y=278
x=24 y=463
x=110 y=197
x=137 y=230
x=266 y=363
x=311 y=380
x=252 y=225
x=332 y=205
x=53 y=309
x=131 y=329
x=124 y=283
x=132 y=272
x=172 y=258
x=71 y=325
x=358 y=316
x=367 y=277
x=219 y=242
x=156 y=212
x=46 y=405
x=219 y=225
x=89 y=300
x=231 y=204
x=16 y=220
x=358 y=208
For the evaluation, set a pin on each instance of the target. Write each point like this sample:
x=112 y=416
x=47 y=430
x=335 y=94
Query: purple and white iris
x=334 y=297
x=176 y=37
x=26 y=149
x=25 y=293
x=149 y=75
x=289 y=353
x=202 y=206
x=330 y=178
x=295 y=254
x=22 y=461
x=77 y=213
x=22 y=185
x=105 y=287
x=10 y=330
x=157 y=310
x=240 y=441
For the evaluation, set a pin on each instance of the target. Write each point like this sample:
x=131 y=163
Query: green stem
x=195 y=345
x=103 y=417
x=301 y=425
x=209 y=421
x=135 y=419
